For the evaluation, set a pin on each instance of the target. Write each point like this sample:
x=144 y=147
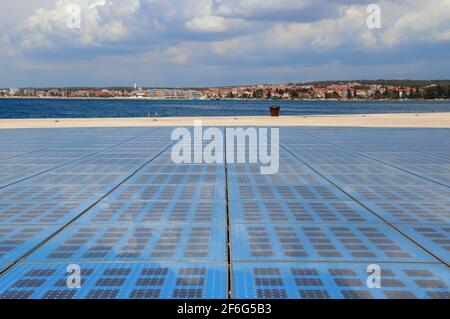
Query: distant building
x=171 y=94
x=13 y=91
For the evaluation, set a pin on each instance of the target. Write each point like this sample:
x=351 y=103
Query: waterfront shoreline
x=399 y=120
x=223 y=99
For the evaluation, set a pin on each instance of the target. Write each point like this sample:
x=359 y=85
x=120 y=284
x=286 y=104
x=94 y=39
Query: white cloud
x=403 y=24
x=222 y=33
x=104 y=22
x=231 y=22
x=207 y=24
x=423 y=21
x=255 y=8
x=178 y=54
x=320 y=36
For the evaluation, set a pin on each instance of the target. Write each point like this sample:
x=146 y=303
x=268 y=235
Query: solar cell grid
x=16 y=241
x=407 y=157
x=170 y=192
x=149 y=179
x=412 y=212
x=156 y=212
x=300 y=212
x=134 y=243
x=294 y=234
x=62 y=193
x=275 y=179
x=435 y=239
x=368 y=243
x=287 y=192
x=35 y=161
x=377 y=169
x=124 y=280
x=39 y=213
x=169 y=168
x=77 y=179
x=375 y=179
x=96 y=168
x=325 y=281
x=61 y=153
x=422 y=193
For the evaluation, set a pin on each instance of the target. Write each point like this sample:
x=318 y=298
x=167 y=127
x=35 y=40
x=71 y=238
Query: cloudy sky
x=219 y=42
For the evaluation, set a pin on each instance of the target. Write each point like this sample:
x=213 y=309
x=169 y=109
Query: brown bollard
x=275 y=111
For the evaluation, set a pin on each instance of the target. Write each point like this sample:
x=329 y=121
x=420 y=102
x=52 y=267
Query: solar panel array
x=111 y=203
x=98 y=199
x=336 y=207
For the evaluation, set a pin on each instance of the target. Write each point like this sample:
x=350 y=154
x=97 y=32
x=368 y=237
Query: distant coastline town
x=349 y=90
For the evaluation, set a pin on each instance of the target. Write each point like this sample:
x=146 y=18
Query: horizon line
x=228 y=85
